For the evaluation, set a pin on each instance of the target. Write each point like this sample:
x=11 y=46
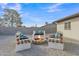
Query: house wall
x=73 y=33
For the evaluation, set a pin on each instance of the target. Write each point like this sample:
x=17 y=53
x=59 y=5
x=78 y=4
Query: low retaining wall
x=13 y=30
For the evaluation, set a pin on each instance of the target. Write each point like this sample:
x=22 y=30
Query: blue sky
x=39 y=13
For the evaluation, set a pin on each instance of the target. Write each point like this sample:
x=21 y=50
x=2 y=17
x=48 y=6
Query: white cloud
x=17 y=6
x=53 y=10
x=31 y=17
x=35 y=18
x=24 y=14
x=53 y=7
x=32 y=25
x=3 y=5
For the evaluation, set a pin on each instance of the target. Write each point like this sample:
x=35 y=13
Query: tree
x=12 y=15
x=46 y=23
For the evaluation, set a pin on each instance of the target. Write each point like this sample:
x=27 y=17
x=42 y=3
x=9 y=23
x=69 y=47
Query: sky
x=39 y=13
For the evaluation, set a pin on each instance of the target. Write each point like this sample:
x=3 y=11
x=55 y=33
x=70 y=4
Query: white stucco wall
x=74 y=32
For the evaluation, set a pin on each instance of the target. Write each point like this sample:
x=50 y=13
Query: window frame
x=67 y=25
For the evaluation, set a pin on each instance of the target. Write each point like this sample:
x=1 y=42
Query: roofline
x=68 y=17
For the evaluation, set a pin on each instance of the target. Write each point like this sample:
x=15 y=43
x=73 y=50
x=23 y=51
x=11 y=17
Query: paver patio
x=7 y=48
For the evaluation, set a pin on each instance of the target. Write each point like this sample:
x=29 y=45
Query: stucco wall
x=74 y=32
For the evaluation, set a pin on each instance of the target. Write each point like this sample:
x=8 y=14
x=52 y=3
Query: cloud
x=16 y=6
x=33 y=18
x=3 y=5
x=53 y=7
x=24 y=14
x=32 y=25
x=54 y=10
x=30 y=19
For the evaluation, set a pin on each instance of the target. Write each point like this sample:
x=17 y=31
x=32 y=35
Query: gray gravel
x=7 y=48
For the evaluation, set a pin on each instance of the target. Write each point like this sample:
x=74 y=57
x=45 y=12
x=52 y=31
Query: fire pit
x=38 y=36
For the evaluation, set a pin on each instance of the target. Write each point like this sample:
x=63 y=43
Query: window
x=67 y=26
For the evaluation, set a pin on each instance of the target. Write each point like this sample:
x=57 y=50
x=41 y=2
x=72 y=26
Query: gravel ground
x=7 y=48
